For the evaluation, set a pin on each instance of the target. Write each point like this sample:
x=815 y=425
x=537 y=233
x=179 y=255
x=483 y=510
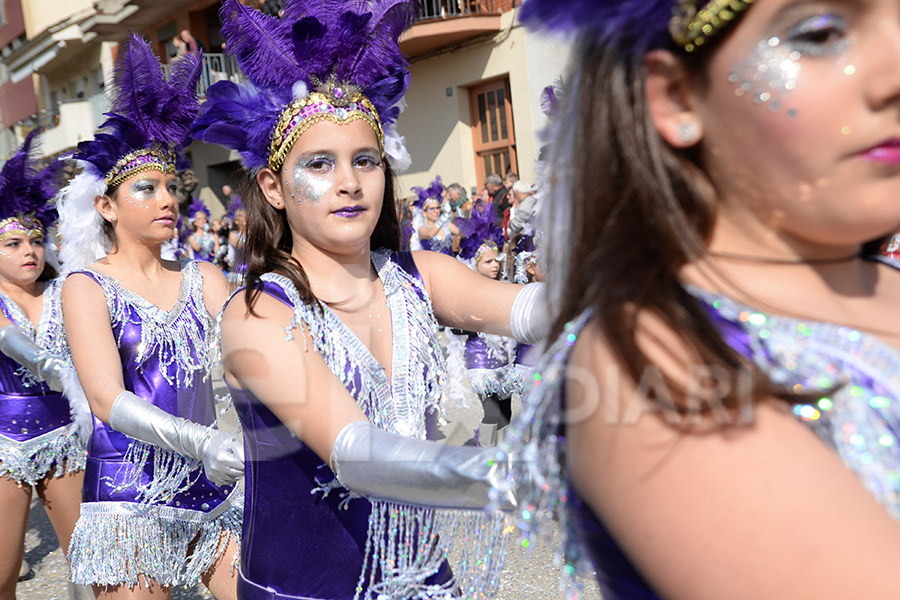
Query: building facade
x=473 y=106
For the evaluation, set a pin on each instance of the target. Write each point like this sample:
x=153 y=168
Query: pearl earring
x=688 y=132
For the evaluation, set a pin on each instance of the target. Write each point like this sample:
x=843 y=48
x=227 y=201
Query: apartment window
x=3 y=21
x=492 y=128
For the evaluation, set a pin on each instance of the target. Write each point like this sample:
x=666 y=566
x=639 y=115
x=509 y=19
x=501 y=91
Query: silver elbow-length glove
x=221 y=453
x=387 y=466
x=41 y=363
x=530 y=319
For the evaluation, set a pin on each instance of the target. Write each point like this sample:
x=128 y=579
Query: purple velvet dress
x=305 y=536
x=854 y=375
x=144 y=505
x=36 y=430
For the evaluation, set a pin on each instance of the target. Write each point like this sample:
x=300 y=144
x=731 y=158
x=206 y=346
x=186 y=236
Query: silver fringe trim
x=396 y=528
x=115 y=542
x=172 y=473
x=30 y=461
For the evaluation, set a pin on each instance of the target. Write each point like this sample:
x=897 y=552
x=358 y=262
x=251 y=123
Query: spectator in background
x=499 y=195
x=179 y=45
x=523 y=206
x=510 y=179
x=456 y=195
x=192 y=43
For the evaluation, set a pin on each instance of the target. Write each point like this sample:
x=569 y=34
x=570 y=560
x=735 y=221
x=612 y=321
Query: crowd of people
x=716 y=368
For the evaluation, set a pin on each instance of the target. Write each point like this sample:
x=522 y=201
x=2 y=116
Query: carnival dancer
x=487 y=356
x=160 y=506
x=236 y=238
x=42 y=432
x=331 y=351
x=730 y=356
x=203 y=243
x=433 y=226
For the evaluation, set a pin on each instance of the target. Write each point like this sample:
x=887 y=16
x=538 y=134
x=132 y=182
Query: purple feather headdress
x=195 y=207
x=634 y=25
x=338 y=60
x=435 y=190
x=26 y=191
x=479 y=232
x=150 y=117
x=236 y=205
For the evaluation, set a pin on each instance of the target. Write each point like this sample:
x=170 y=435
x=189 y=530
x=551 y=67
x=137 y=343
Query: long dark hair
x=641 y=211
x=268 y=242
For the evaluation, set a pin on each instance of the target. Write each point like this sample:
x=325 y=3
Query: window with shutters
x=492 y=129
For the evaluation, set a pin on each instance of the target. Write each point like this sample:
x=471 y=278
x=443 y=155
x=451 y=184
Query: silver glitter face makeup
x=143 y=192
x=772 y=69
x=309 y=185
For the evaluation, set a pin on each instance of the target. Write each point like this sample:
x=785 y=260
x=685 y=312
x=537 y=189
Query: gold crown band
x=485 y=247
x=21 y=225
x=691 y=28
x=301 y=114
x=139 y=161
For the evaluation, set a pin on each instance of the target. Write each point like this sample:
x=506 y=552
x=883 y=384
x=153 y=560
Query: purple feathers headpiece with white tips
x=479 y=232
x=150 y=118
x=26 y=190
x=435 y=190
x=338 y=60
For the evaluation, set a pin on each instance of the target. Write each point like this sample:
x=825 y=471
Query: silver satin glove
x=41 y=363
x=221 y=453
x=530 y=319
x=383 y=465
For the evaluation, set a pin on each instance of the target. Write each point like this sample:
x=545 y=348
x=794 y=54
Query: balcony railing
x=216 y=67
x=441 y=9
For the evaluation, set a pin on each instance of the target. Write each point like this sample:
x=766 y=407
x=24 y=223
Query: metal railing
x=216 y=67
x=441 y=9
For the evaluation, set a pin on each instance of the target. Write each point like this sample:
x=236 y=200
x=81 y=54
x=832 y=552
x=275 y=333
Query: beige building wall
x=438 y=127
x=42 y=14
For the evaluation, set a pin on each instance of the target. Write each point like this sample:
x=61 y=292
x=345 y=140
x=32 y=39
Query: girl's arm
x=194 y=244
x=427 y=232
x=95 y=353
x=485 y=304
x=299 y=388
x=709 y=512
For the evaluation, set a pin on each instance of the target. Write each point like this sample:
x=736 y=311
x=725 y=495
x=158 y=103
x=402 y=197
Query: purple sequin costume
x=855 y=375
x=488 y=361
x=207 y=243
x=296 y=508
x=143 y=505
x=36 y=429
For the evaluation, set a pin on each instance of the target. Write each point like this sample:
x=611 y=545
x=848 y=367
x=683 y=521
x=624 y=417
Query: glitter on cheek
x=311 y=187
x=768 y=74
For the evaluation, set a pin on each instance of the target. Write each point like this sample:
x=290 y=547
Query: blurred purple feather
x=635 y=25
x=479 y=229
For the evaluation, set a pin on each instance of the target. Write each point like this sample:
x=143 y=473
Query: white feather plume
x=80 y=225
x=79 y=409
x=395 y=149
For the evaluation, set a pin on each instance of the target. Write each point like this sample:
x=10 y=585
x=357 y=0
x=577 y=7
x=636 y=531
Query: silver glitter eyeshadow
x=310 y=187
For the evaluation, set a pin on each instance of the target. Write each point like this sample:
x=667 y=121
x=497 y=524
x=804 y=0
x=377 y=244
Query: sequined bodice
x=49 y=334
x=855 y=376
x=165 y=353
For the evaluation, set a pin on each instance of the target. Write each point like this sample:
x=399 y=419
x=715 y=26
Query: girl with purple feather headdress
x=160 y=505
x=44 y=418
x=486 y=356
x=723 y=379
x=203 y=244
x=331 y=351
x=433 y=226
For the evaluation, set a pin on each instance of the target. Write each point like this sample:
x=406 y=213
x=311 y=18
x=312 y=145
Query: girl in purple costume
x=160 y=505
x=203 y=244
x=433 y=226
x=41 y=446
x=725 y=380
x=336 y=330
